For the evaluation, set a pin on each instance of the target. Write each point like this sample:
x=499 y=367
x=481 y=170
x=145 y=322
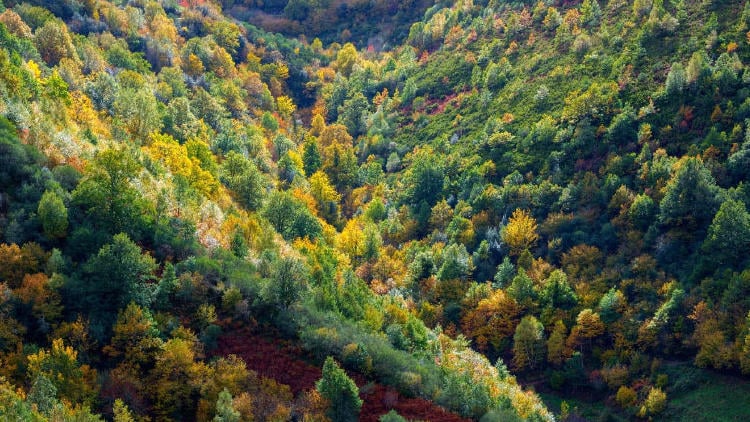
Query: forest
x=319 y=210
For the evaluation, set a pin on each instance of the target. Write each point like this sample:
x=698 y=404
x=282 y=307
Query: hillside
x=467 y=195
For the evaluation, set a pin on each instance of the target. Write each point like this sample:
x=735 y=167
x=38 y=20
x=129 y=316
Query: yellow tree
x=173 y=379
x=588 y=326
x=346 y=58
x=326 y=197
x=180 y=161
x=74 y=382
x=492 y=322
x=285 y=105
x=520 y=233
x=135 y=337
x=557 y=352
x=352 y=240
x=44 y=300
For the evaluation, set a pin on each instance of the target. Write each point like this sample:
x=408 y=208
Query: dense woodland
x=431 y=203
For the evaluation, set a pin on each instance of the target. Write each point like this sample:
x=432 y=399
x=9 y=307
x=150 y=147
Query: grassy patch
x=693 y=394
x=698 y=395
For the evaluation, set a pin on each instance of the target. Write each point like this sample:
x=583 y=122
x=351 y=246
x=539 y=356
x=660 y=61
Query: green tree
x=691 y=197
x=352 y=114
x=522 y=289
x=43 y=394
x=108 y=196
x=53 y=215
x=340 y=391
x=290 y=217
x=557 y=292
x=591 y=12
x=728 y=236
x=225 y=412
x=456 y=263
x=245 y=180
x=528 y=343
x=642 y=211
x=311 y=157
x=676 y=80
x=287 y=282
x=139 y=111
x=423 y=181
x=117 y=275
x=391 y=416
x=505 y=273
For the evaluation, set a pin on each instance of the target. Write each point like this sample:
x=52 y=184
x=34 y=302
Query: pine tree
x=225 y=412
x=340 y=391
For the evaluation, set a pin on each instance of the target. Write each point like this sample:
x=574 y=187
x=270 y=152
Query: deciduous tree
x=520 y=232
x=528 y=343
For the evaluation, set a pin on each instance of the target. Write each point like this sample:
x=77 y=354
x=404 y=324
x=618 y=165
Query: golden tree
x=520 y=233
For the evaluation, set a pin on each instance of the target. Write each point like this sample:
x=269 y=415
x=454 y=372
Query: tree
x=54 y=43
x=43 y=394
x=121 y=412
x=346 y=58
x=225 y=412
x=623 y=128
x=492 y=322
x=744 y=346
x=522 y=289
x=391 y=416
x=340 y=391
x=291 y=217
x=326 y=197
x=117 y=275
x=528 y=343
x=311 y=157
x=691 y=197
x=506 y=271
x=352 y=114
x=172 y=379
x=139 y=112
x=15 y=24
x=108 y=196
x=556 y=349
x=136 y=338
x=641 y=212
x=340 y=164
x=520 y=232
x=73 y=381
x=53 y=215
x=457 y=263
x=44 y=300
x=588 y=326
x=557 y=292
x=245 y=180
x=591 y=12
x=676 y=80
x=423 y=181
x=287 y=282
x=654 y=404
x=610 y=305
x=728 y=236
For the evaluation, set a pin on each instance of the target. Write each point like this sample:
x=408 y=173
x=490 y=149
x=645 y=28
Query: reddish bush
x=285 y=364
